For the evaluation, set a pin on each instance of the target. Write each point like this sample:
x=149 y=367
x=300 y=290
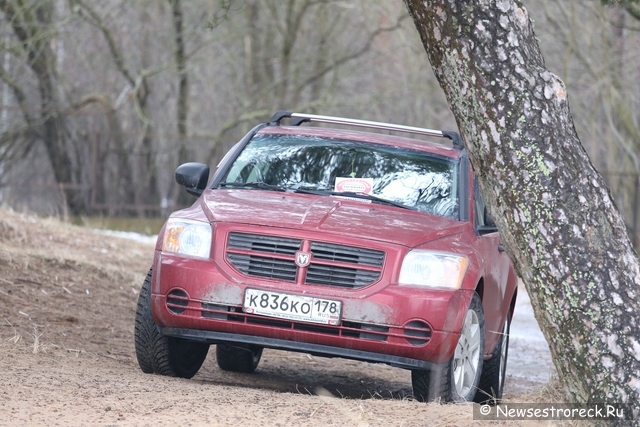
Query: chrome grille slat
x=350 y=254
x=318 y=274
x=260 y=266
x=256 y=242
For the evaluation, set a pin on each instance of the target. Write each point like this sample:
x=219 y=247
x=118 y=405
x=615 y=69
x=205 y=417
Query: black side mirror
x=193 y=176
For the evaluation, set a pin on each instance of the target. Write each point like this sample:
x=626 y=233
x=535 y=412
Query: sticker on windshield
x=354 y=185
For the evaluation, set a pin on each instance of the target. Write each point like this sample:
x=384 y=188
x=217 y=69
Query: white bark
x=558 y=221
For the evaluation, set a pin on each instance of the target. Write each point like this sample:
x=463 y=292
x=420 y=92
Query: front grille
x=361 y=256
x=261 y=266
x=346 y=329
x=273 y=257
x=256 y=242
x=378 y=333
x=329 y=275
x=213 y=311
x=414 y=333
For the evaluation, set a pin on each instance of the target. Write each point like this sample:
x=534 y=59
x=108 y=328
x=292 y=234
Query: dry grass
x=550 y=392
x=16 y=338
x=67 y=281
x=38 y=346
x=68 y=298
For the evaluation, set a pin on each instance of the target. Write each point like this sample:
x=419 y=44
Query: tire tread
x=437 y=384
x=489 y=388
x=158 y=354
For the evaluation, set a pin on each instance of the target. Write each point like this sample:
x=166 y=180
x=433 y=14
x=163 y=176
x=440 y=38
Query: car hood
x=331 y=215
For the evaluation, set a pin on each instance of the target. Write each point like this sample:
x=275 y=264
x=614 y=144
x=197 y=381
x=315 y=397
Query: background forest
x=102 y=100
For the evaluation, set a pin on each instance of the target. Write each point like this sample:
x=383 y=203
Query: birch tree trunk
x=559 y=224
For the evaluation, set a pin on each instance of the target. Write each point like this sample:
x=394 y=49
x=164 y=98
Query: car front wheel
x=158 y=354
x=458 y=379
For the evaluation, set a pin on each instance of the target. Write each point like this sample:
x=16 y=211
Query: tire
x=238 y=359
x=492 y=379
x=430 y=386
x=456 y=380
x=158 y=354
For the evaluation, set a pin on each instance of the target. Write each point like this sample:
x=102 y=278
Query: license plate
x=292 y=307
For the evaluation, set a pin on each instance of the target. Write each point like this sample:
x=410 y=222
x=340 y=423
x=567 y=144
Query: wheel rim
x=467 y=355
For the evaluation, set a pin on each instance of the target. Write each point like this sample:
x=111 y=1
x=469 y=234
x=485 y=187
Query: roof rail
x=299 y=118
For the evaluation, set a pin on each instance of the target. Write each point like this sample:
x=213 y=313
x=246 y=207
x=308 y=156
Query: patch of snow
x=138 y=237
x=529 y=356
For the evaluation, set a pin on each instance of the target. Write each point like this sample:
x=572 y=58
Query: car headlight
x=187 y=237
x=433 y=269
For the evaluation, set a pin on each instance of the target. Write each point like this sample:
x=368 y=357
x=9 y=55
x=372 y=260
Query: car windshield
x=374 y=172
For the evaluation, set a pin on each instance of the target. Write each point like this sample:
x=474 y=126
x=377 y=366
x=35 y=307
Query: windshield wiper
x=373 y=199
x=258 y=185
x=362 y=196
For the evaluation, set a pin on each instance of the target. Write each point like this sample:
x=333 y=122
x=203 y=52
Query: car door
x=496 y=267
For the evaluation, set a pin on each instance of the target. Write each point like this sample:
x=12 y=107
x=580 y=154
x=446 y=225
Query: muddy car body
x=338 y=243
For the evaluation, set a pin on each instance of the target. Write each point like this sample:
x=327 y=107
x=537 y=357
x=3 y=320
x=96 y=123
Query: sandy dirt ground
x=67 y=305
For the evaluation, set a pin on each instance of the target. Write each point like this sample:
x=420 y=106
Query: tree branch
x=230 y=124
x=19 y=94
x=354 y=55
x=113 y=49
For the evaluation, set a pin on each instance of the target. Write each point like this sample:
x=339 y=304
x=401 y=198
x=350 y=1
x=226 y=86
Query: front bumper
x=402 y=326
x=212 y=337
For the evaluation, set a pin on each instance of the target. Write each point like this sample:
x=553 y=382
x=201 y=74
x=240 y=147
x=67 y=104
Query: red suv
x=338 y=243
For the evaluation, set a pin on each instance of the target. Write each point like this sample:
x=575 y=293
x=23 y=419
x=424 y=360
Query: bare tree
x=32 y=26
x=293 y=54
x=143 y=86
x=601 y=54
x=558 y=221
x=146 y=189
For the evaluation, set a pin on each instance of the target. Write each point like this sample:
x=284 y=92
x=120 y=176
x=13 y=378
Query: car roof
x=376 y=138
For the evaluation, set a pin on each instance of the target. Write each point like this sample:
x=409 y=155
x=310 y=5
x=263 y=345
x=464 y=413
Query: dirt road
x=67 y=303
